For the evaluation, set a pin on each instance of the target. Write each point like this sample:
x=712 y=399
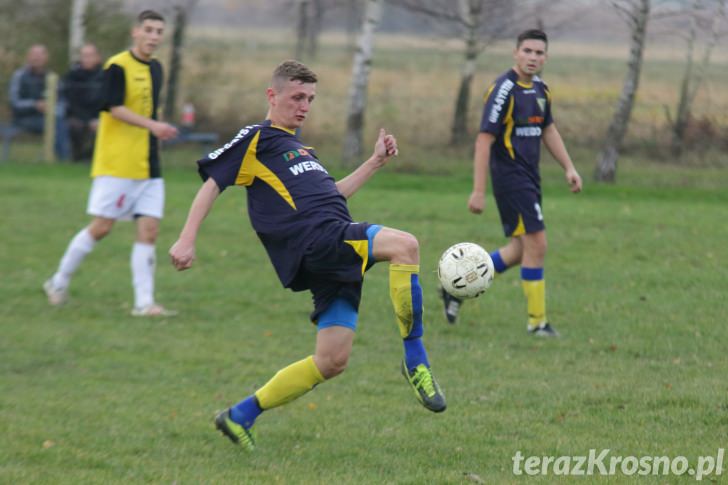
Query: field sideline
x=634 y=274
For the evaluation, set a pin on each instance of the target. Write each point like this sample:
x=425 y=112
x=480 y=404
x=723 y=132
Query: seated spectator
x=27 y=99
x=83 y=92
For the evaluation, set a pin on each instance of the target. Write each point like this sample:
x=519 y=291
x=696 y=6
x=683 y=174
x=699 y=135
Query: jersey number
x=537 y=206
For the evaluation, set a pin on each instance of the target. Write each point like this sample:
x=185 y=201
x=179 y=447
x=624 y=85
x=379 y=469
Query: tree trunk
x=606 y=169
x=77 y=29
x=692 y=79
x=683 y=110
x=302 y=29
x=317 y=14
x=470 y=11
x=359 y=82
x=175 y=63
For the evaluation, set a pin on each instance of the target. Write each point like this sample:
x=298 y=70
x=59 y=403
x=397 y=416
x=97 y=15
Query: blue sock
x=414 y=353
x=498 y=263
x=246 y=411
x=414 y=350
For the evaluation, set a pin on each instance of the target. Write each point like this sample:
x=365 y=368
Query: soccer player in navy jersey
x=516 y=119
x=300 y=215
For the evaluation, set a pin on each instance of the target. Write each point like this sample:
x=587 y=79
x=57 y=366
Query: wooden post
x=49 y=130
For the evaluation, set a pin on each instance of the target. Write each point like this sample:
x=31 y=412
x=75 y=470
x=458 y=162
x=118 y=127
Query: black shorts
x=334 y=263
x=520 y=212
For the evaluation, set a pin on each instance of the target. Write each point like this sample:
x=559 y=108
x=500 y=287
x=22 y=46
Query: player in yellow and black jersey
x=123 y=149
x=126 y=175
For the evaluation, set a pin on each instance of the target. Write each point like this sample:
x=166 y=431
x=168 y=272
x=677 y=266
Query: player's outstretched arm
x=555 y=145
x=385 y=147
x=163 y=131
x=481 y=161
x=182 y=252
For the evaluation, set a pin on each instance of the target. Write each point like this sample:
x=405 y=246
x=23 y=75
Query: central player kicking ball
x=300 y=215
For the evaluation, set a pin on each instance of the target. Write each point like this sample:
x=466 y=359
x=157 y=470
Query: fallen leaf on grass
x=473 y=477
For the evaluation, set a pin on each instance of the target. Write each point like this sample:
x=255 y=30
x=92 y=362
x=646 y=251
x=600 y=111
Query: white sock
x=143 y=263
x=81 y=244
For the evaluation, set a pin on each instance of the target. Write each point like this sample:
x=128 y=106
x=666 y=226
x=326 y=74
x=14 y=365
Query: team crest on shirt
x=290 y=155
x=541 y=104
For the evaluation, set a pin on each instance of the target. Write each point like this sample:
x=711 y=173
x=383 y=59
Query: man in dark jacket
x=83 y=91
x=27 y=99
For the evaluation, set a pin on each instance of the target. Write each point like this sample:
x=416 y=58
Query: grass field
x=635 y=278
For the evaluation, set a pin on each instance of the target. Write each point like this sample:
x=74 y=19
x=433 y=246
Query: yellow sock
x=289 y=383
x=404 y=295
x=535 y=291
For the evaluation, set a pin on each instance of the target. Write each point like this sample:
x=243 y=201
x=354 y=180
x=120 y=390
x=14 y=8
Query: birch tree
x=694 y=75
x=636 y=13
x=316 y=15
x=470 y=13
x=302 y=28
x=309 y=21
x=360 y=81
x=175 y=63
x=76 y=28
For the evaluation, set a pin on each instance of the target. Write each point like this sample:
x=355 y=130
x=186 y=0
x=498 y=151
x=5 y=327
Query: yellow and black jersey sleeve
x=122 y=149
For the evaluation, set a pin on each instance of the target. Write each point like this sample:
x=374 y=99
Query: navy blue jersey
x=516 y=114
x=290 y=194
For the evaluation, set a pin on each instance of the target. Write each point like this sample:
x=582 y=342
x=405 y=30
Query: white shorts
x=122 y=199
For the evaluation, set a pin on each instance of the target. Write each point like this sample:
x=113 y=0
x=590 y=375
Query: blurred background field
x=231 y=48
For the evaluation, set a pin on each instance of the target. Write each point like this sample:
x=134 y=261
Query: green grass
x=635 y=283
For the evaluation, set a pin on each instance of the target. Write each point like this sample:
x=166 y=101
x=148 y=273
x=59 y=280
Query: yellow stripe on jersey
x=252 y=168
x=507 y=135
x=362 y=249
x=121 y=149
x=487 y=94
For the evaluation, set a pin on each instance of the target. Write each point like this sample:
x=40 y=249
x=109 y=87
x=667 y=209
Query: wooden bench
x=8 y=131
x=208 y=140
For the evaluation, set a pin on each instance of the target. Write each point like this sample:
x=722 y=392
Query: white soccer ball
x=465 y=270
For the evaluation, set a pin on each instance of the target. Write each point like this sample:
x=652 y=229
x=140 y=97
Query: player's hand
x=40 y=105
x=574 y=181
x=164 y=131
x=182 y=255
x=476 y=202
x=385 y=147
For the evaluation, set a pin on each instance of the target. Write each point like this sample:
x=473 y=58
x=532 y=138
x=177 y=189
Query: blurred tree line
x=475 y=24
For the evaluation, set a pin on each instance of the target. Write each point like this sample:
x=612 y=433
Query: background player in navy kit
x=516 y=118
x=300 y=215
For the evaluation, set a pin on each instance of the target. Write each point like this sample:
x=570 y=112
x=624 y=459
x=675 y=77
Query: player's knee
x=148 y=234
x=535 y=246
x=540 y=247
x=409 y=249
x=333 y=363
x=99 y=229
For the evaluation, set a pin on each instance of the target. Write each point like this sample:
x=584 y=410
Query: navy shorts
x=520 y=212
x=334 y=263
